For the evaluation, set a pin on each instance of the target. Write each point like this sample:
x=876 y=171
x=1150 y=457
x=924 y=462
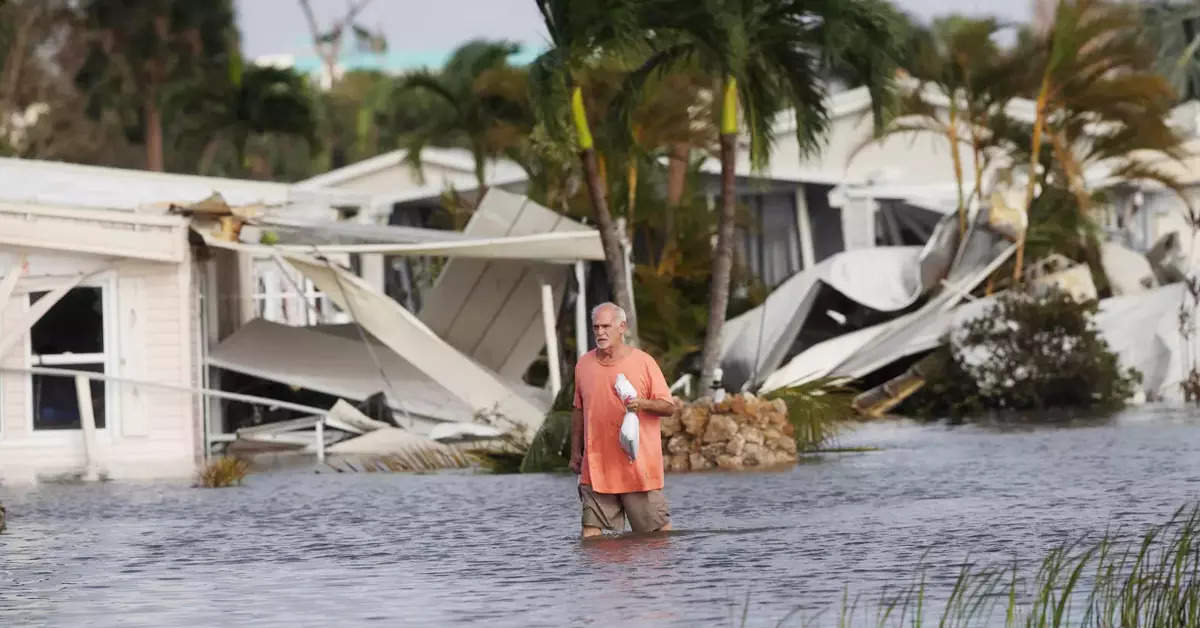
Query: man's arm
x=659 y=400
x=576 y=439
x=661 y=407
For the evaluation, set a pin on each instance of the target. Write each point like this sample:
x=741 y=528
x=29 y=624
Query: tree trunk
x=677 y=165
x=956 y=161
x=209 y=155
x=610 y=239
x=15 y=60
x=1034 y=158
x=614 y=260
x=480 y=170
x=631 y=181
x=976 y=151
x=722 y=264
x=153 y=132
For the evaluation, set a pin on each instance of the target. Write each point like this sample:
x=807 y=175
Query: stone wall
x=741 y=432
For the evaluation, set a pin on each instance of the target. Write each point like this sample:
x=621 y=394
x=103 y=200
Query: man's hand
x=635 y=404
x=576 y=462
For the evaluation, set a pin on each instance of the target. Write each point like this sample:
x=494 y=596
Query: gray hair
x=616 y=309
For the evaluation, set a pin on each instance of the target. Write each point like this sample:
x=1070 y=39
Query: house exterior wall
x=401 y=176
x=149 y=432
x=910 y=158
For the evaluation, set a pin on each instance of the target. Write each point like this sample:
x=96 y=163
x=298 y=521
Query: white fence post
x=551 y=339
x=581 y=344
x=87 y=419
x=320 y=439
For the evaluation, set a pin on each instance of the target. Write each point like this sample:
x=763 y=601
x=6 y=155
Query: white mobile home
x=118 y=286
x=98 y=276
x=128 y=297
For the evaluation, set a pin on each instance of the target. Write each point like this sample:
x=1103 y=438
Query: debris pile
x=739 y=432
x=352 y=441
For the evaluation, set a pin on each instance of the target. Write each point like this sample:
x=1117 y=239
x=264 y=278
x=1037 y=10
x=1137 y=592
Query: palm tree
x=472 y=110
x=962 y=78
x=771 y=56
x=1099 y=101
x=140 y=51
x=1173 y=29
x=258 y=101
x=580 y=33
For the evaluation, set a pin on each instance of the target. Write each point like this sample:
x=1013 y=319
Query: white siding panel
x=132 y=315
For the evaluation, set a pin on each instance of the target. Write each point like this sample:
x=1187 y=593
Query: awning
x=490 y=309
x=326 y=361
x=547 y=247
x=397 y=328
x=865 y=351
x=883 y=279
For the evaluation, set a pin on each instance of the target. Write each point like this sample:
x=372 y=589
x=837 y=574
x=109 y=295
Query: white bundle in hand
x=630 y=428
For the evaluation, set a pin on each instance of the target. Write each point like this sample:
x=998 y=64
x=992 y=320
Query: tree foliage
x=1172 y=30
x=141 y=52
x=482 y=105
x=1026 y=352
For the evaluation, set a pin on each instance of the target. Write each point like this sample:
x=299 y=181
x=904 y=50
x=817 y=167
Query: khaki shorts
x=646 y=511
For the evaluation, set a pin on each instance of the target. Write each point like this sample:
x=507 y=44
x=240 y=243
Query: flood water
x=295 y=548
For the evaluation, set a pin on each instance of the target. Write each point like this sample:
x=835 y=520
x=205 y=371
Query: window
x=770 y=245
x=71 y=335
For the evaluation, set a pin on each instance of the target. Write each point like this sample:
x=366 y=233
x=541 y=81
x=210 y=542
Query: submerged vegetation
x=1153 y=580
x=1025 y=352
x=222 y=472
x=551 y=447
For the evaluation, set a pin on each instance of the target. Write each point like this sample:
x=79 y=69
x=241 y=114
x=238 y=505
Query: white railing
x=276 y=298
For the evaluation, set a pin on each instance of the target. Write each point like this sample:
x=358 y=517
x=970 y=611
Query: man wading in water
x=611 y=486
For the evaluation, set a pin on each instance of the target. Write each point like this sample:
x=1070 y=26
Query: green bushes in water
x=1151 y=581
x=550 y=450
x=1025 y=352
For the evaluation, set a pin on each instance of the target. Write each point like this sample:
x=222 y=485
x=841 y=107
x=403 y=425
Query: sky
x=423 y=32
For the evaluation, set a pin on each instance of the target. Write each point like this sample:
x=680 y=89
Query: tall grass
x=1151 y=581
x=222 y=472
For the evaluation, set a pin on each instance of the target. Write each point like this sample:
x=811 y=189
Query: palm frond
x=426 y=80
x=818 y=410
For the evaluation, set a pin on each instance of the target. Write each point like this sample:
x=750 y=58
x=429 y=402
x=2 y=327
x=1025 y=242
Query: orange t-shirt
x=606 y=467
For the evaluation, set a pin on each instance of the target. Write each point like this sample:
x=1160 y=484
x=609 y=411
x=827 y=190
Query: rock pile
x=741 y=432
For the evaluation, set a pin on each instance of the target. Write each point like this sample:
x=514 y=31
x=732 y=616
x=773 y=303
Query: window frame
x=107 y=283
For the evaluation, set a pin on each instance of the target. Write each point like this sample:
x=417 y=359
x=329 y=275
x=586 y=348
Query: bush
x=1024 y=353
x=223 y=472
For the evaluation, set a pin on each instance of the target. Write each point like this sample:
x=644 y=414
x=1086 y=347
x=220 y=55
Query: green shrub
x=1024 y=353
